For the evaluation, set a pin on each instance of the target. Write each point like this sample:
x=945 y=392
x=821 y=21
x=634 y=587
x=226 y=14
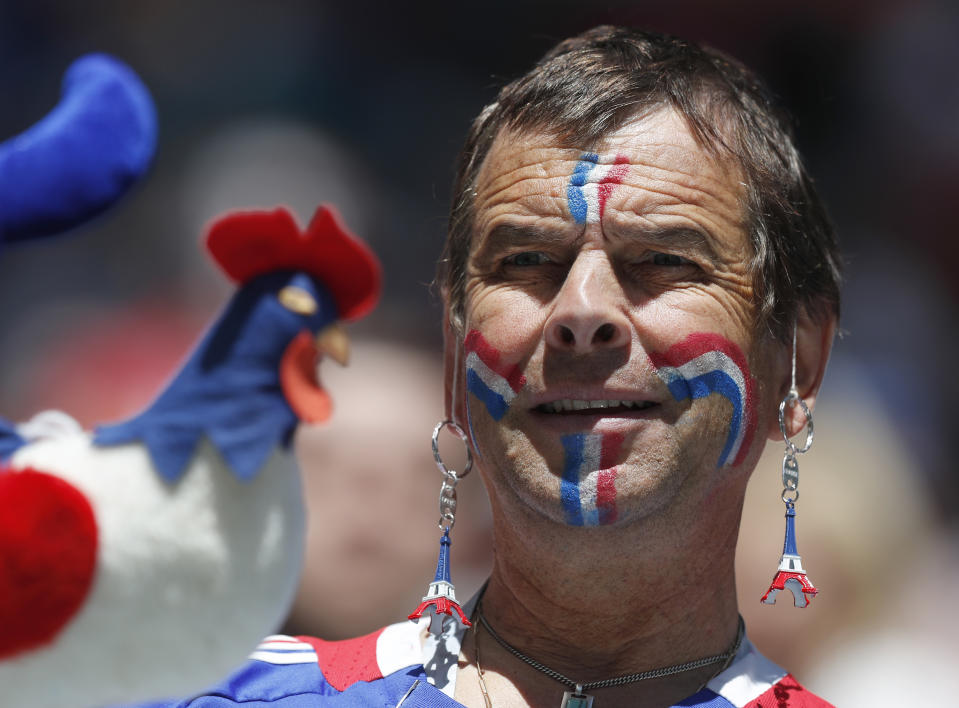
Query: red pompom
x=48 y=549
x=250 y=243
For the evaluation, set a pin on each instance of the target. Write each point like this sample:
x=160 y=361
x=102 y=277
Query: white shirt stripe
x=296 y=657
x=747 y=678
x=282 y=649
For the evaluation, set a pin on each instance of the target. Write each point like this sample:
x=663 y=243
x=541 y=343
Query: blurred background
x=364 y=104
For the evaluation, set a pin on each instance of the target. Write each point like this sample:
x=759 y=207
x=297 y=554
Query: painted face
x=611 y=354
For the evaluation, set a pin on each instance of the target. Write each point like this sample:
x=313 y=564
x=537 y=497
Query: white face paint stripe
x=588 y=480
x=591 y=188
x=590 y=192
x=493 y=381
x=704 y=363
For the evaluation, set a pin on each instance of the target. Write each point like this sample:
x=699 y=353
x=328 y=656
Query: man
x=633 y=245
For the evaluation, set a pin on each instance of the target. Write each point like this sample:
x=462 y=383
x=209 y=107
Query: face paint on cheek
x=488 y=378
x=588 y=486
x=594 y=178
x=704 y=364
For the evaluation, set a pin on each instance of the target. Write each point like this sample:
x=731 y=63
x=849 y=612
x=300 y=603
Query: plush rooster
x=158 y=551
x=146 y=559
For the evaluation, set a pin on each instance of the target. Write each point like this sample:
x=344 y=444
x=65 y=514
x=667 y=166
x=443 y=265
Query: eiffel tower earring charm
x=440 y=598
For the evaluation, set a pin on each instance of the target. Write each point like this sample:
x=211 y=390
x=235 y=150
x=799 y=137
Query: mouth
x=578 y=406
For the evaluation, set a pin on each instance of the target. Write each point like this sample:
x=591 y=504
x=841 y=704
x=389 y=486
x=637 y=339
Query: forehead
x=652 y=170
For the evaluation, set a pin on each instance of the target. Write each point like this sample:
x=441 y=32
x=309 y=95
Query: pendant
x=790 y=575
x=577 y=699
x=440 y=598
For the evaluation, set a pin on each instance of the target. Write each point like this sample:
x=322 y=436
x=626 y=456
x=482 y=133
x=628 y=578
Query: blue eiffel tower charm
x=440 y=598
x=791 y=575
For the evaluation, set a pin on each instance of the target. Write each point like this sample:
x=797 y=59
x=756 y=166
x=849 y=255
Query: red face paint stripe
x=695 y=345
x=606 y=496
x=609 y=452
x=475 y=342
x=613 y=178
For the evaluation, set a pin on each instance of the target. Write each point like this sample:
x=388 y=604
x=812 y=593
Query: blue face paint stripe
x=569 y=484
x=494 y=402
x=577 y=204
x=574 y=193
x=706 y=384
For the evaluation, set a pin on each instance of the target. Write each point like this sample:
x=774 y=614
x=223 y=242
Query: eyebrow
x=511 y=235
x=676 y=236
x=668 y=236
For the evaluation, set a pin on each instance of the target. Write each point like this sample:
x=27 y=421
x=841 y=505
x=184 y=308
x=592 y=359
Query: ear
x=814 y=338
x=454 y=385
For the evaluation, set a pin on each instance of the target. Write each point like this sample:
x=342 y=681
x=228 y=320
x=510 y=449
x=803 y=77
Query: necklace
x=578 y=698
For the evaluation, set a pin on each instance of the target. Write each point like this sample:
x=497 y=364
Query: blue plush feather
x=229 y=389
x=82 y=156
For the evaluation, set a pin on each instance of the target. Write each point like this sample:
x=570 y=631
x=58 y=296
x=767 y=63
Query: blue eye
x=669 y=259
x=527 y=258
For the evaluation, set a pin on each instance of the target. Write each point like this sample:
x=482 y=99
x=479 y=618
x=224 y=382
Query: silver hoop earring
x=440 y=599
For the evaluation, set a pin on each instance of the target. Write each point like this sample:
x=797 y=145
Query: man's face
x=610 y=365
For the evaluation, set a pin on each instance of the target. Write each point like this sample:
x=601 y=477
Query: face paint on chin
x=588 y=486
x=704 y=364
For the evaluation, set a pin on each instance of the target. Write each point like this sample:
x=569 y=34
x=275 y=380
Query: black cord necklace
x=579 y=699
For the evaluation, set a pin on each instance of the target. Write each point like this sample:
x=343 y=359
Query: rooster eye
x=297 y=300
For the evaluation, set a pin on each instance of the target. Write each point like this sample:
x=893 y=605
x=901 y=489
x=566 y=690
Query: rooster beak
x=333 y=342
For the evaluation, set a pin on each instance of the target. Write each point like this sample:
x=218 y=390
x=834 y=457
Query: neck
x=603 y=602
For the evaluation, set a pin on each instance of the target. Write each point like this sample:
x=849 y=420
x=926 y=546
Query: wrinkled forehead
x=649 y=132
x=652 y=164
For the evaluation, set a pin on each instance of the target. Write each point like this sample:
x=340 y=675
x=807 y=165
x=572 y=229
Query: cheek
x=588 y=485
x=705 y=364
x=490 y=376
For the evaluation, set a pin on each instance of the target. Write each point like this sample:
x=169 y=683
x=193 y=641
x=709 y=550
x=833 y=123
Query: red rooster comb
x=246 y=244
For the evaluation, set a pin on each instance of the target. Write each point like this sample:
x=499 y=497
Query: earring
x=440 y=598
x=790 y=575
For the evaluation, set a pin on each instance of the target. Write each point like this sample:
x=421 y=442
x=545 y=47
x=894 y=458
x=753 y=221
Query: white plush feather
x=188 y=574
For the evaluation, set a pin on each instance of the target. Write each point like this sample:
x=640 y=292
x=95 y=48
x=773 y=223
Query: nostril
x=566 y=335
x=605 y=333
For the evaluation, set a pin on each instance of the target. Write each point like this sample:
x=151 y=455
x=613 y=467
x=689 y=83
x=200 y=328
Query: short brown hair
x=590 y=85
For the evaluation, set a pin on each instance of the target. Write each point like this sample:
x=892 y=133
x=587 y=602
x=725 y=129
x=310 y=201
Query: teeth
x=569 y=404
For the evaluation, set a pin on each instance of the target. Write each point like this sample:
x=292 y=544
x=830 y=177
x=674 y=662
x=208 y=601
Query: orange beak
x=298 y=371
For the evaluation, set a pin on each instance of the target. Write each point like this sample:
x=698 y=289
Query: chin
x=623 y=495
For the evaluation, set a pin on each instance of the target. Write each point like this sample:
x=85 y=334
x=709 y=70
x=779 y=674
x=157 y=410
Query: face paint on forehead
x=704 y=364
x=488 y=378
x=594 y=178
x=588 y=486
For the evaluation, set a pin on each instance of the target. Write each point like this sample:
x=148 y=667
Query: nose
x=587 y=313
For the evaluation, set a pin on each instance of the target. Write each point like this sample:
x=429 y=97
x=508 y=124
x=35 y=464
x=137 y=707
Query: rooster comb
x=246 y=244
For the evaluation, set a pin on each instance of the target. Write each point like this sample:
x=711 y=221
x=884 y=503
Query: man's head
x=633 y=234
x=589 y=85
